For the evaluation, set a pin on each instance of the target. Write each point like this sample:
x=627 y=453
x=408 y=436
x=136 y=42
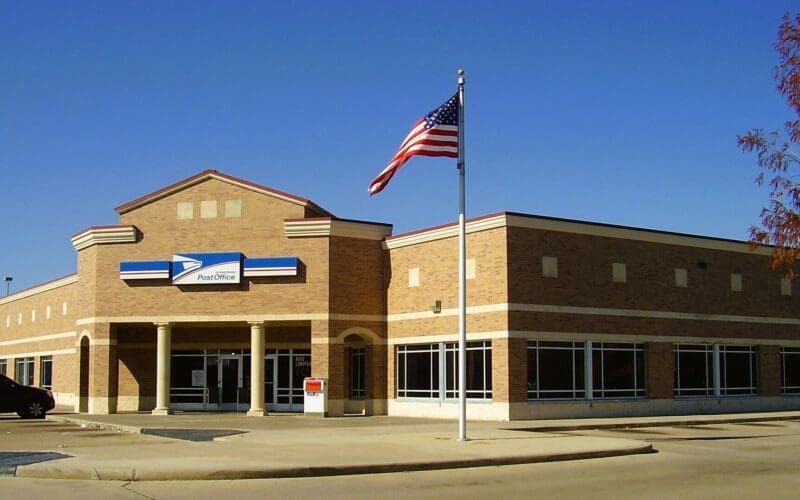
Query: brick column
x=659 y=360
x=163 y=360
x=103 y=370
x=509 y=370
x=375 y=367
x=327 y=361
x=769 y=370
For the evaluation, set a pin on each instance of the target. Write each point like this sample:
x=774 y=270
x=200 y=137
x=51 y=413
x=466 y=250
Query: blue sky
x=624 y=112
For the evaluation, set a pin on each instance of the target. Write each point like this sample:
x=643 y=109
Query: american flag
x=434 y=135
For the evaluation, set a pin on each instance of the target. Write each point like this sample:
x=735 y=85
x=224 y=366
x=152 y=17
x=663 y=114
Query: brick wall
x=259 y=232
x=438 y=264
x=660 y=366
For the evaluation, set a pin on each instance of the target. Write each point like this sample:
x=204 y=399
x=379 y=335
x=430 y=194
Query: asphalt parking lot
x=715 y=460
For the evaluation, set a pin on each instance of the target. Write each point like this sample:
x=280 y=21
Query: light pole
x=8 y=280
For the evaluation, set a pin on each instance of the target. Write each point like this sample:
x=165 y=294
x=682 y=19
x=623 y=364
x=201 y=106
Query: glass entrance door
x=230 y=381
x=283 y=379
x=269 y=380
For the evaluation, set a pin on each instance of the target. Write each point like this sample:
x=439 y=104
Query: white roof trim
x=45 y=287
x=333 y=227
x=104 y=235
x=626 y=233
x=450 y=231
x=574 y=227
x=219 y=176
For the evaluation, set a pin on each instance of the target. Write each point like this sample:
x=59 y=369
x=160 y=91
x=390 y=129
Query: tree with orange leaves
x=780 y=220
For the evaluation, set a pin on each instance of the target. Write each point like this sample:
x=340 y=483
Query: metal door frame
x=235 y=406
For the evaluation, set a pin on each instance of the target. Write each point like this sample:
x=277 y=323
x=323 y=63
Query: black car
x=28 y=402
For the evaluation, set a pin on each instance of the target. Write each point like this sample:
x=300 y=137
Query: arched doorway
x=83 y=383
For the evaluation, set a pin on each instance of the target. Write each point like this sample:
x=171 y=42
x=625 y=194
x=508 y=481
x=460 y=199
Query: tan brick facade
x=529 y=279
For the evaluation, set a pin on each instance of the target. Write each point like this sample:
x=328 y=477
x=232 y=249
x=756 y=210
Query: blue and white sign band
x=277 y=266
x=145 y=270
x=208 y=268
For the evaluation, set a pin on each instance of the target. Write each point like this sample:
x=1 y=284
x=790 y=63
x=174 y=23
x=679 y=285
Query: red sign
x=313 y=385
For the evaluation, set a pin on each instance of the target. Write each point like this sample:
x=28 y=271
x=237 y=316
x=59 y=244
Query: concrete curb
x=695 y=420
x=572 y=426
x=82 y=422
x=215 y=471
x=131 y=475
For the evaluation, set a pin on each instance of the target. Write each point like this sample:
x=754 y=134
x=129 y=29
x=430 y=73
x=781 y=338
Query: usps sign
x=206 y=268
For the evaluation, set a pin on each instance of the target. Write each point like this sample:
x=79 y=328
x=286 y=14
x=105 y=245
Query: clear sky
x=623 y=112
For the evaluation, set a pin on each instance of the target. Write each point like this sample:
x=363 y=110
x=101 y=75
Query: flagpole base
x=464 y=439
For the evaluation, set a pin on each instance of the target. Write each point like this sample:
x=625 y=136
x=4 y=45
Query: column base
x=162 y=411
x=257 y=413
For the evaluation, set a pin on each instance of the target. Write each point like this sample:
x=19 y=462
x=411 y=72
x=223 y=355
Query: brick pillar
x=769 y=370
x=375 y=367
x=327 y=361
x=509 y=371
x=103 y=369
x=659 y=362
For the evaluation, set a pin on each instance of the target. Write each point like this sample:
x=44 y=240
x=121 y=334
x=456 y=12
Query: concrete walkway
x=233 y=446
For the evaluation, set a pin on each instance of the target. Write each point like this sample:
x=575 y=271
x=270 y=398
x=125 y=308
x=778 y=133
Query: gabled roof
x=213 y=174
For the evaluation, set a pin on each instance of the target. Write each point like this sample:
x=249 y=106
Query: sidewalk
x=233 y=446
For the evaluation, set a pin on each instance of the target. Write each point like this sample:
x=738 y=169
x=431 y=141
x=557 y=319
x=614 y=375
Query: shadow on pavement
x=195 y=435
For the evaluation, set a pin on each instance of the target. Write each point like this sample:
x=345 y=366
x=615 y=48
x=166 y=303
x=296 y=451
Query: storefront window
x=556 y=370
x=23 y=371
x=694 y=370
x=3 y=367
x=479 y=370
x=220 y=378
x=187 y=378
x=46 y=372
x=431 y=370
x=617 y=370
x=737 y=370
x=418 y=371
x=790 y=362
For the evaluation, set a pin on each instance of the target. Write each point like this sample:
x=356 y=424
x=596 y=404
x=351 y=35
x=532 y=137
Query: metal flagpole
x=462 y=271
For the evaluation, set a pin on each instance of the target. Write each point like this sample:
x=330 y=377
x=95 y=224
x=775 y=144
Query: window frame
x=357 y=369
x=23 y=376
x=794 y=354
x=442 y=359
x=721 y=355
x=46 y=374
x=708 y=355
x=578 y=393
x=752 y=352
x=638 y=391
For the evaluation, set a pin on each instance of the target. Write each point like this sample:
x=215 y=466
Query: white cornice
x=44 y=287
x=231 y=318
x=627 y=233
x=442 y=232
x=104 y=235
x=334 y=227
x=573 y=227
x=40 y=338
